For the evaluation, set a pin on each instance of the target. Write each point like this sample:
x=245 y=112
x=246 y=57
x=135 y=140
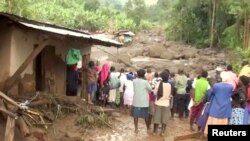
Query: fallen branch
x=12 y=115
x=9 y=100
x=94 y=115
x=39 y=103
x=189 y=136
x=45 y=125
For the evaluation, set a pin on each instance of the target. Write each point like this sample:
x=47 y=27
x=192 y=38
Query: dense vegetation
x=90 y=15
x=220 y=23
x=204 y=23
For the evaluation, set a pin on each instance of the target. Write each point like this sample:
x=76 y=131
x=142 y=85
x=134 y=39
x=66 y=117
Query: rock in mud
x=156 y=51
x=168 y=54
x=136 y=52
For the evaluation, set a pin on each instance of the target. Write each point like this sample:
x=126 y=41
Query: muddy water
x=124 y=131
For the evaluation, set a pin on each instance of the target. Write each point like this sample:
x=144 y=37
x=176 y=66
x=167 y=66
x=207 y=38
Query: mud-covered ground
x=123 y=130
x=65 y=129
x=151 y=49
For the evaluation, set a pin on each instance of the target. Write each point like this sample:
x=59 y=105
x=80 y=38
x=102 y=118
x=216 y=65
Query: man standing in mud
x=180 y=85
x=140 y=106
x=201 y=87
x=92 y=81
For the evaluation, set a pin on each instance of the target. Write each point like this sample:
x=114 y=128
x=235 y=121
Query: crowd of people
x=204 y=100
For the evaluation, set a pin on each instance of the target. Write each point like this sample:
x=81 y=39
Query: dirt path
x=123 y=130
x=65 y=129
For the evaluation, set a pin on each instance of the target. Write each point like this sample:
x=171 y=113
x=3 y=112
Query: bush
x=232 y=37
x=145 y=24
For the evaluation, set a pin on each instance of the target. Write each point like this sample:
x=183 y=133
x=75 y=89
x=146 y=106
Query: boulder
x=156 y=51
x=167 y=55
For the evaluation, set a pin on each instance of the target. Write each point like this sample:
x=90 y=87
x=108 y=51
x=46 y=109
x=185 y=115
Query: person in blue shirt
x=221 y=108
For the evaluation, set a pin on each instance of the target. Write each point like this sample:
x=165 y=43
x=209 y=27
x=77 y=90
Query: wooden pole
x=10 y=114
x=248 y=31
x=9 y=100
x=14 y=78
x=84 y=77
x=189 y=136
x=87 y=59
x=9 y=131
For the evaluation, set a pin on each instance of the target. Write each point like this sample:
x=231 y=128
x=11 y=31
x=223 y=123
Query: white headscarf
x=224 y=76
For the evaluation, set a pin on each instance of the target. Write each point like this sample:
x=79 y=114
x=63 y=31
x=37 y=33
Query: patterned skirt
x=140 y=112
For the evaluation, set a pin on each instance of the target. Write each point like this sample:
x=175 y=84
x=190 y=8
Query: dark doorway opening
x=38 y=72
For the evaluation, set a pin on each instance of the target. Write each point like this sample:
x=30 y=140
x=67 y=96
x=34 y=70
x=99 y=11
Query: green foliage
x=232 y=37
x=190 y=21
x=145 y=24
x=239 y=55
x=92 y=5
x=80 y=14
x=136 y=9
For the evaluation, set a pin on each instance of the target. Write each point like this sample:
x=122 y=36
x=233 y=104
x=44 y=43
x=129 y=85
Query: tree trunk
x=245 y=30
x=10 y=129
x=248 y=31
x=212 y=25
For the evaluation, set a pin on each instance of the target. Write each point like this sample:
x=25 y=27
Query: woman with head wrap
x=221 y=108
x=129 y=90
x=103 y=84
x=72 y=80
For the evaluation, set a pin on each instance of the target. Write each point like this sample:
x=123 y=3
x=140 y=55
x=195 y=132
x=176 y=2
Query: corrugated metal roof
x=105 y=38
x=56 y=30
x=61 y=30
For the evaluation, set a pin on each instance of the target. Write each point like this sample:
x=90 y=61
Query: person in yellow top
x=245 y=69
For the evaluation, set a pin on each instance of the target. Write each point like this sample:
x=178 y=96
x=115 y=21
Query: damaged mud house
x=33 y=54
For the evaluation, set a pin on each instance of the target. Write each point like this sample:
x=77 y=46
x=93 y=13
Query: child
x=237 y=116
x=152 y=96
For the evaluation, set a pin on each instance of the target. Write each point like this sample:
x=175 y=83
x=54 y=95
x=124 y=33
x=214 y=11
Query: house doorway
x=44 y=68
x=38 y=72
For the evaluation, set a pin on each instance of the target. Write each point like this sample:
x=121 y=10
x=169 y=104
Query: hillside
x=150 y=50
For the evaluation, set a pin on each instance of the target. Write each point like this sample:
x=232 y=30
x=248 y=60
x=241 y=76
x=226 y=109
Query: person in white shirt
x=162 y=103
x=123 y=79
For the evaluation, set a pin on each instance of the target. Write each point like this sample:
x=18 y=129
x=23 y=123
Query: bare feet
x=191 y=128
x=136 y=131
